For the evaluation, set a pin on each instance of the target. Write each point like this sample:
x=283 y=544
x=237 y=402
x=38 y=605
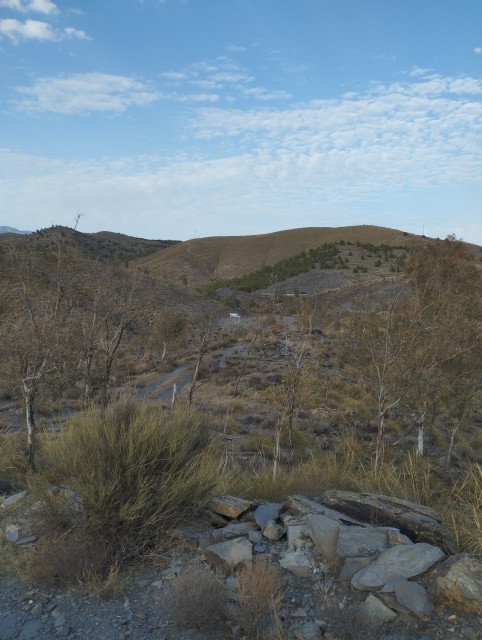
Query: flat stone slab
x=413 y=597
x=351 y=566
x=325 y=533
x=233 y=530
x=354 y=542
x=415 y=520
x=374 y=612
x=13 y=499
x=230 y=554
x=406 y=561
x=230 y=506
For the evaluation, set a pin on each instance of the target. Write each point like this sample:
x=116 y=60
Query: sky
x=175 y=119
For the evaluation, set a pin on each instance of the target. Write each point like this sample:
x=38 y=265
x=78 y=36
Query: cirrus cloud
x=84 y=93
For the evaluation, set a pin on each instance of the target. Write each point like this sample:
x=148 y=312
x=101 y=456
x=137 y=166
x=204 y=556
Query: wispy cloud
x=84 y=93
x=228 y=78
x=78 y=34
x=26 y=6
x=478 y=50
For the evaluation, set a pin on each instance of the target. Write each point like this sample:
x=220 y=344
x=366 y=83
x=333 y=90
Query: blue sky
x=189 y=118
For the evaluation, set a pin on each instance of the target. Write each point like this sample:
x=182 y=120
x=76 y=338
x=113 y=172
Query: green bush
x=137 y=471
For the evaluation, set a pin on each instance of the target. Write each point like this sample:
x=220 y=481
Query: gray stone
x=31 y=630
x=351 y=566
x=12 y=532
x=13 y=499
x=230 y=506
x=60 y=621
x=26 y=540
x=420 y=522
x=457 y=583
x=300 y=563
x=304 y=506
x=231 y=553
x=325 y=532
x=233 y=530
x=374 y=613
x=403 y=560
x=308 y=631
x=414 y=597
x=266 y=512
x=256 y=537
x=9 y=627
x=354 y=542
x=389 y=586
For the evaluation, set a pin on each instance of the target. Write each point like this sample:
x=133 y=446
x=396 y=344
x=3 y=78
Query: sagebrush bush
x=137 y=471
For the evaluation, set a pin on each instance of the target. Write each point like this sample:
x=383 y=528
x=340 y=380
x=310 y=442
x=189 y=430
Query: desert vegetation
x=369 y=383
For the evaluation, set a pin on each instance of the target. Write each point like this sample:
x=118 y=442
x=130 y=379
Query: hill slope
x=202 y=260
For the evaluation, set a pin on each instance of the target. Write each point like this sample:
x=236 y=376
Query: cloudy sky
x=189 y=118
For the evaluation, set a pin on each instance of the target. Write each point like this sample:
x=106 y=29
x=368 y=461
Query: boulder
x=351 y=566
x=299 y=533
x=414 y=520
x=413 y=597
x=406 y=561
x=228 y=555
x=273 y=532
x=457 y=583
x=230 y=506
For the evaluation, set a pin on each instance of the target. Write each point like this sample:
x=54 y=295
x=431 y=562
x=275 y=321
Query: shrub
x=137 y=471
x=259 y=600
x=196 y=598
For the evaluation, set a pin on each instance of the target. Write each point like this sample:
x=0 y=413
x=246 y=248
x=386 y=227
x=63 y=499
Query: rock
x=414 y=597
x=352 y=566
x=230 y=554
x=374 y=613
x=26 y=540
x=216 y=519
x=300 y=563
x=299 y=533
x=406 y=561
x=457 y=583
x=266 y=512
x=230 y=506
x=12 y=532
x=354 y=542
x=303 y=506
x=324 y=532
x=419 y=522
x=9 y=627
x=13 y=499
x=256 y=537
x=273 y=531
x=308 y=631
x=233 y=530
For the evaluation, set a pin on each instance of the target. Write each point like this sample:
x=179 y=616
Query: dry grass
x=259 y=600
x=463 y=512
x=195 y=598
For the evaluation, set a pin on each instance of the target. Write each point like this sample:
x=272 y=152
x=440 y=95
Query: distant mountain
x=12 y=230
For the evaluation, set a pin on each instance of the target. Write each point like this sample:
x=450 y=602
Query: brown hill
x=196 y=262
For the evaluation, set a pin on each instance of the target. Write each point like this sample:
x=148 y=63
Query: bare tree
x=206 y=337
x=38 y=329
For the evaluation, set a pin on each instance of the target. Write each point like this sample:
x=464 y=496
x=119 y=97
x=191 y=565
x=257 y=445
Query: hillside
x=202 y=260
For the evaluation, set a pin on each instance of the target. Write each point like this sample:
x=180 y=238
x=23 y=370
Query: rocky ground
x=339 y=578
